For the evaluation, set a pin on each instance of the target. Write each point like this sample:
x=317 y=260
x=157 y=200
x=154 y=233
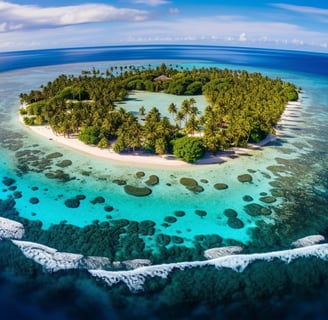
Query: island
x=242 y=108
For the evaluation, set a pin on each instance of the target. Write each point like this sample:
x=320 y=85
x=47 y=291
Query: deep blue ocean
x=287 y=199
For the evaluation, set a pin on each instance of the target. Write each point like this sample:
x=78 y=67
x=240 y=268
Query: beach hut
x=162 y=77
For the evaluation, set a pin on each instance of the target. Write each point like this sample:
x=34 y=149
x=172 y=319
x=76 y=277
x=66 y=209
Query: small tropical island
x=242 y=108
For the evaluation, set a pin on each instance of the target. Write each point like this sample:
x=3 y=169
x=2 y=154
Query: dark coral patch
x=230 y=213
x=199 y=237
x=255 y=210
x=54 y=155
x=266 y=175
x=201 y=213
x=140 y=174
x=98 y=199
x=120 y=223
x=8 y=181
x=268 y=199
x=235 y=223
x=179 y=213
x=34 y=200
x=18 y=194
x=196 y=189
x=248 y=198
x=163 y=239
x=276 y=170
x=72 y=203
x=277 y=193
x=152 y=180
x=170 y=219
x=188 y=182
x=177 y=240
x=191 y=184
x=23 y=153
x=58 y=174
x=275 y=184
x=147 y=227
x=137 y=191
x=119 y=182
x=80 y=197
x=251 y=170
x=64 y=163
x=133 y=227
x=109 y=208
x=245 y=178
x=220 y=186
x=211 y=241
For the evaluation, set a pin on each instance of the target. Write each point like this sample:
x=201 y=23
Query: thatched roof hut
x=162 y=77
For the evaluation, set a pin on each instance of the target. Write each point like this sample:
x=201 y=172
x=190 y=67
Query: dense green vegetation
x=189 y=149
x=242 y=107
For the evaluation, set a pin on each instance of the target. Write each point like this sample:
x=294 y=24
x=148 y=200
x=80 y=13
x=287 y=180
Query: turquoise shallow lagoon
x=289 y=182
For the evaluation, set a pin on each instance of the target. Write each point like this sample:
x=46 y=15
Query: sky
x=285 y=24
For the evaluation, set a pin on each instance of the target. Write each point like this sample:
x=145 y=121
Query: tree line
x=242 y=107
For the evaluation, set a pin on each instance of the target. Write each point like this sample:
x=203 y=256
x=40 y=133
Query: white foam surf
x=139 y=270
x=53 y=260
x=135 y=279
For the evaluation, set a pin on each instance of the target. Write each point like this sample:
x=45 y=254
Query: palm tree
x=192 y=125
x=151 y=123
x=185 y=108
x=172 y=109
x=194 y=111
x=179 y=118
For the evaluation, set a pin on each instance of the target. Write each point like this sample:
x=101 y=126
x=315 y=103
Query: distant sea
x=77 y=204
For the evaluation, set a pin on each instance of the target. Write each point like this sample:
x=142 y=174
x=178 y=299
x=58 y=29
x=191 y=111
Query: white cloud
x=15 y=16
x=243 y=37
x=233 y=29
x=174 y=11
x=223 y=29
x=297 y=42
x=153 y=3
x=302 y=9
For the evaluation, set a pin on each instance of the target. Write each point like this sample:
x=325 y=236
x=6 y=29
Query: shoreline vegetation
x=81 y=112
x=167 y=160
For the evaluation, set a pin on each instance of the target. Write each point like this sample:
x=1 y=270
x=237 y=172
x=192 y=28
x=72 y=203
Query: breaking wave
x=52 y=260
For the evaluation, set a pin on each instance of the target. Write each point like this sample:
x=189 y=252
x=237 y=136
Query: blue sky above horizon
x=39 y=24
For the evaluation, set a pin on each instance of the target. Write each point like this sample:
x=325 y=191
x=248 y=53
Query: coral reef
x=245 y=178
x=152 y=180
x=137 y=191
x=220 y=186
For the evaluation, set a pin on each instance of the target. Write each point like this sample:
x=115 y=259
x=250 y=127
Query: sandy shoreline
x=156 y=160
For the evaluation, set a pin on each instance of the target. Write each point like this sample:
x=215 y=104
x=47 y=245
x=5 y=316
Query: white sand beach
x=156 y=160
